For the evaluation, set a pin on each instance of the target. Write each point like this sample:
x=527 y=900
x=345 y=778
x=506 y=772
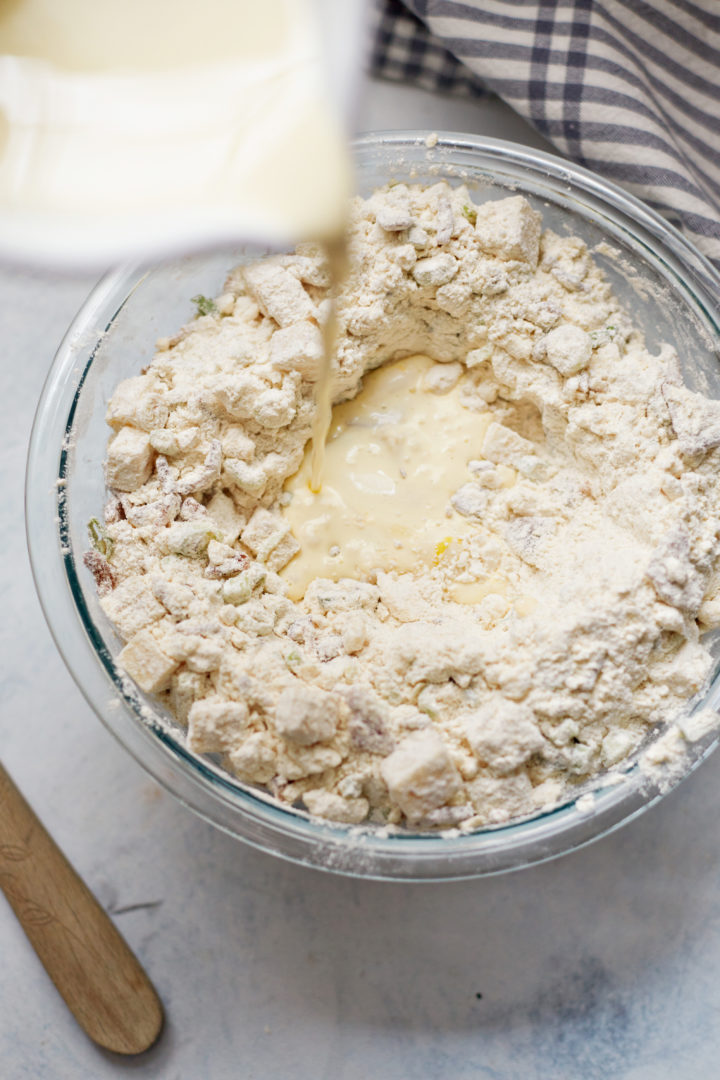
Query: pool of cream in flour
x=395 y=454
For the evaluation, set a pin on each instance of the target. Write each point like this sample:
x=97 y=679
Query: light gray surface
x=601 y=965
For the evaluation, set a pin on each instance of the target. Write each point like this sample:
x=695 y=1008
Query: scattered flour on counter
x=533 y=640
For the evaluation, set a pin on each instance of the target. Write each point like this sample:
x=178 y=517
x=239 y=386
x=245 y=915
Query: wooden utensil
x=100 y=979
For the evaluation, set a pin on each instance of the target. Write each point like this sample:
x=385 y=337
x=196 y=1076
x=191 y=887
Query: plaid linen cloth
x=627 y=88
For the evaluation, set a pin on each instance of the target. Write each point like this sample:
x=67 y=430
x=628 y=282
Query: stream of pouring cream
x=337 y=256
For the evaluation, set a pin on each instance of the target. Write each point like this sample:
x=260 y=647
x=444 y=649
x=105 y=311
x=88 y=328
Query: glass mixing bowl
x=672 y=294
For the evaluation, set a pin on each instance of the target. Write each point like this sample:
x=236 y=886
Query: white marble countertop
x=600 y=965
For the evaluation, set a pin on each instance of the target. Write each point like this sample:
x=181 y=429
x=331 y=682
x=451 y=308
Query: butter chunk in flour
x=500 y=589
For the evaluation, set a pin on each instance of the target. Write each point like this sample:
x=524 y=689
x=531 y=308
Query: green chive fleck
x=204 y=305
x=99 y=538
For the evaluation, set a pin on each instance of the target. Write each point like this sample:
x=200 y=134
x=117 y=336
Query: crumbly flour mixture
x=549 y=614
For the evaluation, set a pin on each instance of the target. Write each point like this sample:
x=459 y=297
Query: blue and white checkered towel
x=627 y=88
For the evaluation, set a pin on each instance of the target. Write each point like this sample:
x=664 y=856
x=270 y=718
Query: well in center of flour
x=396 y=454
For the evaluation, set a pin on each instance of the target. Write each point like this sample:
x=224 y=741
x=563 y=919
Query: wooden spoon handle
x=100 y=979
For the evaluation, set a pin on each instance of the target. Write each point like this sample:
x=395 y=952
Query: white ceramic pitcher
x=148 y=128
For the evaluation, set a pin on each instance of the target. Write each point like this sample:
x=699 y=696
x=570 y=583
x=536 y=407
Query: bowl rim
x=238 y=809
